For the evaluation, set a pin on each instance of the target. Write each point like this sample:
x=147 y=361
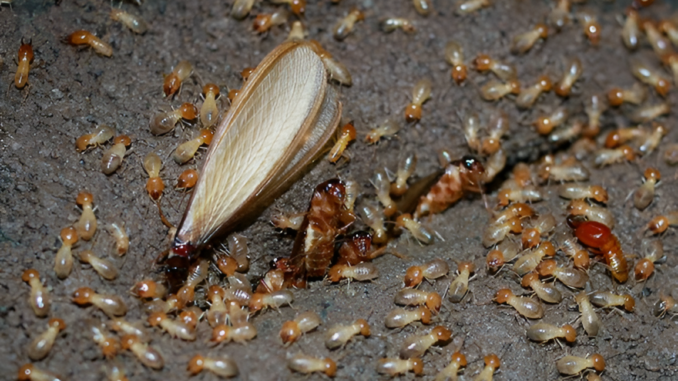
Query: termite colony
x=550 y=255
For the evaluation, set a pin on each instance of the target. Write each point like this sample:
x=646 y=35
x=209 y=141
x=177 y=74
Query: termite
x=592 y=212
x=121 y=238
x=643 y=196
x=518 y=210
x=338 y=72
x=459 y=286
x=589 y=318
x=388 y=128
x=345 y=135
x=39 y=299
x=217 y=313
x=163 y=123
x=174 y=328
x=522 y=43
x=400 y=317
x=494 y=90
x=566 y=134
x=457 y=361
x=42 y=344
x=83 y=37
x=418 y=231
x=570 y=277
x=103 y=267
x=154 y=185
x=582 y=148
x=360 y=272
x=573 y=365
x=345 y=26
x=545 y=124
x=298 y=7
x=309 y=364
x=339 y=335
x=665 y=304
x=529 y=95
x=511 y=192
x=634 y=95
x=571 y=247
x=423 y=7
x=560 y=14
x=223 y=367
x=264 y=21
x=567 y=170
x=465 y=7
x=543 y=332
x=99 y=136
x=414 y=297
x=494 y=165
x=421 y=92
x=394 y=367
x=297 y=32
x=196 y=274
x=522 y=175
x=594 y=108
x=653 y=251
x=415 y=346
x=209 y=113
x=241 y=332
x=241 y=8
x=148 y=355
x=650 y=112
x=112 y=157
x=63 y=261
x=406 y=168
x=383 y=189
x=527 y=307
x=621 y=136
x=496 y=232
x=540 y=228
x=392 y=23
x=504 y=71
x=577 y=191
x=284 y=221
x=671 y=154
x=124 y=327
x=111 y=305
x=460 y=177
x=497 y=127
x=373 y=217
x=174 y=80
x=631 y=30
x=149 y=289
x=471 y=125
x=492 y=363
x=109 y=344
x=590 y=26
x=573 y=71
x=606 y=299
x=505 y=252
x=650 y=76
x=24 y=60
x=302 y=323
x=30 y=372
x=187 y=179
x=187 y=150
x=652 y=140
x=430 y=270
x=531 y=260
x=275 y=300
x=545 y=291
x=454 y=55
x=659 y=43
x=135 y=23
x=190 y=316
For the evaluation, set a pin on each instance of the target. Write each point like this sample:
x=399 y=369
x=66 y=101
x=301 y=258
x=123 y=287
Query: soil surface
x=73 y=90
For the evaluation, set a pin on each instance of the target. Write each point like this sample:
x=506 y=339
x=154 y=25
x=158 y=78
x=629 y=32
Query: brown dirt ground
x=73 y=90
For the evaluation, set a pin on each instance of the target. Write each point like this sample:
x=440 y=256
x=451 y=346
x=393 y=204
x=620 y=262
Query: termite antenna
x=163 y=218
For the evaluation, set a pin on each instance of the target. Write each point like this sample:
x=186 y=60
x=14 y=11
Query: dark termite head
x=334 y=188
x=472 y=171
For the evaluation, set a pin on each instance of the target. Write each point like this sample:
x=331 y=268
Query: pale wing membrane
x=256 y=141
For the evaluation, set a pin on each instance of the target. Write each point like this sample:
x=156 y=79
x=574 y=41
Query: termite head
x=334 y=188
x=183 y=249
x=472 y=171
x=459 y=358
x=413 y=276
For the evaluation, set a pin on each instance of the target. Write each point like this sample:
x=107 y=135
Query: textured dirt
x=72 y=90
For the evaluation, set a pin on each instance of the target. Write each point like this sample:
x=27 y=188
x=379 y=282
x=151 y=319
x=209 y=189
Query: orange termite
x=345 y=26
x=527 y=307
x=175 y=328
x=504 y=71
x=263 y=22
x=338 y=72
x=30 y=372
x=103 y=267
x=454 y=54
x=345 y=135
x=496 y=128
x=154 y=185
x=63 y=261
x=495 y=90
x=187 y=179
x=609 y=156
x=652 y=140
x=529 y=95
x=83 y=37
x=572 y=73
x=135 y=23
x=570 y=277
x=415 y=346
x=148 y=288
x=108 y=343
x=187 y=150
x=209 y=113
x=39 y=299
x=466 y=7
x=524 y=42
x=578 y=191
x=531 y=260
x=545 y=291
x=392 y=23
x=540 y=228
x=545 y=124
x=650 y=112
x=173 y=81
x=302 y=323
x=387 y=129
x=298 y=7
x=121 y=238
x=589 y=318
x=594 y=108
x=653 y=251
x=457 y=361
x=25 y=59
x=430 y=270
x=505 y=252
x=643 y=196
x=492 y=363
x=660 y=44
x=164 y=122
x=543 y=332
x=112 y=305
x=631 y=30
x=459 y=286
x=418 y=231
x=590 y=26
x=497 y=231
x=224 y=367
x=573 y=365
x=42 y=344
x=599 y=237
x=87 y=224
x=634 y=95
x=394 y=367
x=421 y=92
x=275 y=300
x=650 y=76
x=606 y=299
x=414 y=297
x=400 y=317
x=309 y=364
x=592 y=212
x=560 y=14
x=339 y=335
x=101 y=135
x=146 y=354
x=112 y=157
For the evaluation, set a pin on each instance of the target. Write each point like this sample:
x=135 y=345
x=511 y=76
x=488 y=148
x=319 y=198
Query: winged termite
x=282 y=118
